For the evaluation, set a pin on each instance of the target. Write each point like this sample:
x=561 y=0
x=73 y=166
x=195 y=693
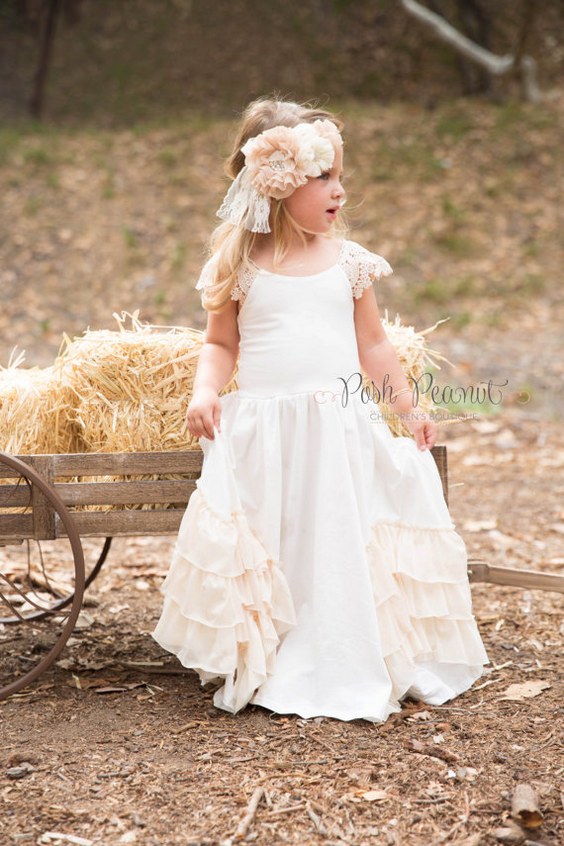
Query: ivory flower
x=327 y=129
x=316 y=152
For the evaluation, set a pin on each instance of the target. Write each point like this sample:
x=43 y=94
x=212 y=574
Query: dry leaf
x=374 y=795
x=472 y=840
x=485 y=427
x=526 y=690
x=475 y=459
x=84 y=621
x=509 y=834
x=432 y=750
x=479 y=525
x=466 y=774
x=62 y=837
x=419 y=715
x=501 y=539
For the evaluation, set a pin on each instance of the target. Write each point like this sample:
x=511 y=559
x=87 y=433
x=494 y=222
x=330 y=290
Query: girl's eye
x=325 y=175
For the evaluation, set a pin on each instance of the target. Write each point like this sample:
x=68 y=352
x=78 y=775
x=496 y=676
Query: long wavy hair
x=231 y=246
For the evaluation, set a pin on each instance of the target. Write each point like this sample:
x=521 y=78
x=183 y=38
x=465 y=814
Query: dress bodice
x=297 y=333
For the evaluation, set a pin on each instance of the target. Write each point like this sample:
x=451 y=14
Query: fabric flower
x=327 y=129
x=272 y=160
x=281 y=159
x=316 y=152
x=277 y=161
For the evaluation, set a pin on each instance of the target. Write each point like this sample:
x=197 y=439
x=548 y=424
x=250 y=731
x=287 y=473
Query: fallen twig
x=432 y=750
x=297 y=807
x=323 y=743
x=316 y=820
x=191 y=724
x=245 y=823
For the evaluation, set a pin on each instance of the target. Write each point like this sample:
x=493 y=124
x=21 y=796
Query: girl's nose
x=339 y=194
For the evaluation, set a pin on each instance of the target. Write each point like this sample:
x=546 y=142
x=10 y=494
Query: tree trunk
x=477 y=26
x=46 y=43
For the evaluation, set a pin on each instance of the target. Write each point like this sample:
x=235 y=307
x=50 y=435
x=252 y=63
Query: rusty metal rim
x=33 y=476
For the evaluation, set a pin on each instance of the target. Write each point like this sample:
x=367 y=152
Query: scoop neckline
x=306 y=275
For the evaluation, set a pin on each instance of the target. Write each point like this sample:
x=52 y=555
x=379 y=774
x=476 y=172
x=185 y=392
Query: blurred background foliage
x=114 y=62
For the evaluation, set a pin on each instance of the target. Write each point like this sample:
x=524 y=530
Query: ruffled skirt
x=317 y=570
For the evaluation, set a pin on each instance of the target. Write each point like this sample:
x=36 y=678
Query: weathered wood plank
x=113 y=523
x=439 y=453
x=127 y=463
x=43 y=513
x=15 y=496
x=16 y=526
x=9 y=472
x=125 y=493
x=122 y=522
x=481 y=571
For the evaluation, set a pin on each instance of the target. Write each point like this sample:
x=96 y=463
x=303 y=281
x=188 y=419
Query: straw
x=133 y=386
x=34 y=410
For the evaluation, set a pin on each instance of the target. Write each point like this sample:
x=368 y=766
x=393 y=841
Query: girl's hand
x=204 y=412
x=422 y=427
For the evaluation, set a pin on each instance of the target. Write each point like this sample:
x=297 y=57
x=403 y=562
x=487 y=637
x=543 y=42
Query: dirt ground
x=124 y=746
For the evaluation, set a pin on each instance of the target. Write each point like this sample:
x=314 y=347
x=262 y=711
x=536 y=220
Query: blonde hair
x=232 y=245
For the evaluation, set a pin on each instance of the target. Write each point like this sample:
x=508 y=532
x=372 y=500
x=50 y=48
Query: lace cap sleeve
x=206 y=276
x=362 y=267
x=241 y=285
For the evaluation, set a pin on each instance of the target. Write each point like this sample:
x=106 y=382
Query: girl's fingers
x=199 y=428
x=424 y=436
x=431 y=435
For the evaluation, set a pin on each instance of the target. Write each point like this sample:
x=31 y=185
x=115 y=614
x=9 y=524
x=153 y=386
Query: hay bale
x=35 y=410
x=133 y=386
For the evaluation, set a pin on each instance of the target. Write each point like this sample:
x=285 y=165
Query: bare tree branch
x=496 y=65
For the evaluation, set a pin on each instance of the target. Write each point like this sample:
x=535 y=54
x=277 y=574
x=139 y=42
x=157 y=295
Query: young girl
x=317 y=571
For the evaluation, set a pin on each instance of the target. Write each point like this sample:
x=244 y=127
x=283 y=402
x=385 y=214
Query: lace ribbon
x=244 y=206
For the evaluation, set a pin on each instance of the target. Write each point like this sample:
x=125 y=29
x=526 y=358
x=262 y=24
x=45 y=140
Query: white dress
x=317 y=570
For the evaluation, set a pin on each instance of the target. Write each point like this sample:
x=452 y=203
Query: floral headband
x=278 y=161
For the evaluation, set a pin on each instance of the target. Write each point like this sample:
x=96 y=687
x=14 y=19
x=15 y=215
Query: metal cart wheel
x=41 y=584
x=60 y=603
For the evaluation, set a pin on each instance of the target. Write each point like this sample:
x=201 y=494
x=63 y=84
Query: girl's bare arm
x=378 y=357
x=216 y=363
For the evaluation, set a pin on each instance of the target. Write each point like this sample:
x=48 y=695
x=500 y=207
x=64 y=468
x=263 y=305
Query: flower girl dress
x=317 y=570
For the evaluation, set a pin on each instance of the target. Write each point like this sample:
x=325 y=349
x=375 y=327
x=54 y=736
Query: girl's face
x=315 y=205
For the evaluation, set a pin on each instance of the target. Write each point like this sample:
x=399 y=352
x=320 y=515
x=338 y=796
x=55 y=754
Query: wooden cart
x=42 y=504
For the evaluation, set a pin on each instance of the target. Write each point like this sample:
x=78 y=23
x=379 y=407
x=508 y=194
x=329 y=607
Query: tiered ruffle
x=424 y=604
x=226 y=603
x=372 y=586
